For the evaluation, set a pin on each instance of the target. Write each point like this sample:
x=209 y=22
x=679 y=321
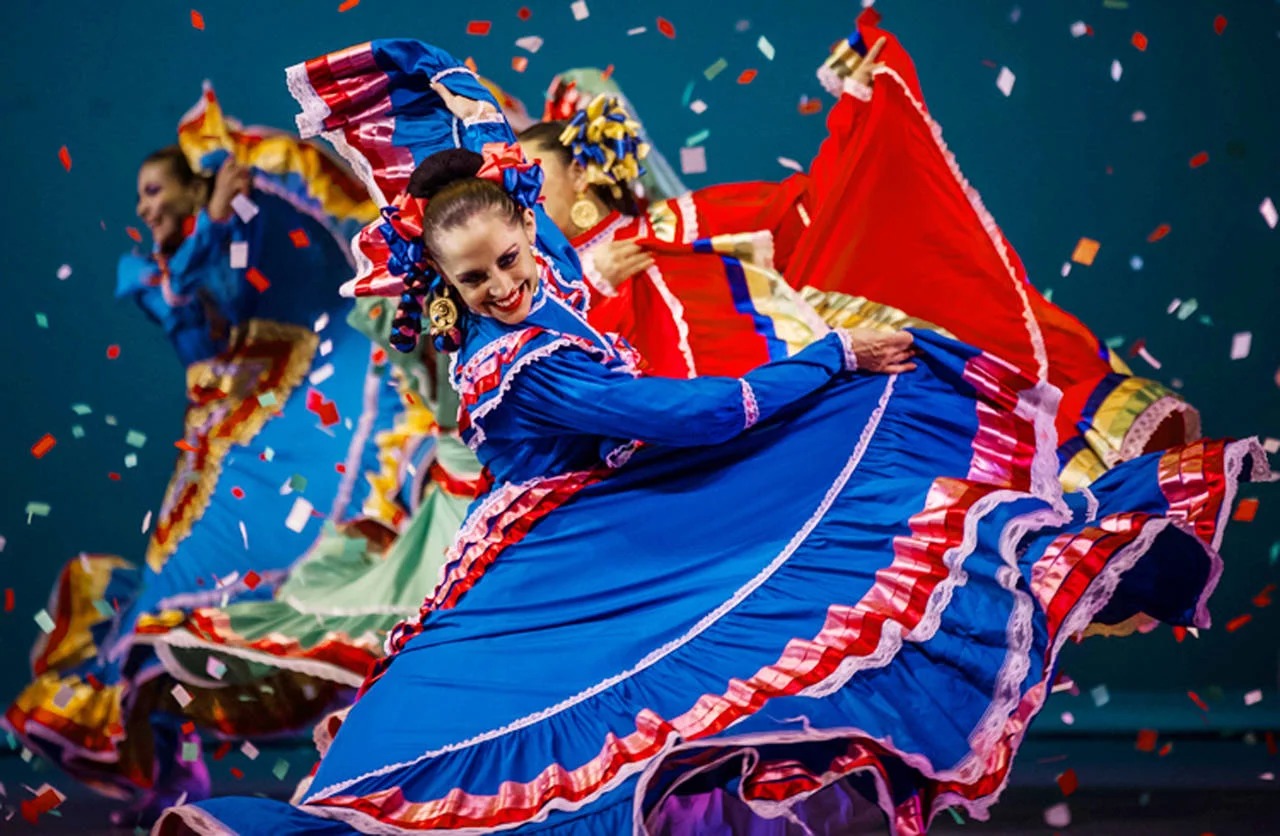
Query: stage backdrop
x=1099 y=137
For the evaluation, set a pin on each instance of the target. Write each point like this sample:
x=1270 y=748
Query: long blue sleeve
x=570 y=392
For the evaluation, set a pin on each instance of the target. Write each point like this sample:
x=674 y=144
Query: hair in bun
x=447 y=181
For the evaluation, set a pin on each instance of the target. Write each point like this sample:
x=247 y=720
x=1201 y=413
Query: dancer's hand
x=618 y=261
x=461 y=106
x=864 y=70
x=882 y=352
x=232 y=179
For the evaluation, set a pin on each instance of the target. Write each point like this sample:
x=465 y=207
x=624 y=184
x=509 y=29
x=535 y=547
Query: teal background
x=1057 y=160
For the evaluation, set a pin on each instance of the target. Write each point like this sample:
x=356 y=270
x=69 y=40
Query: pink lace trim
x=750 y=409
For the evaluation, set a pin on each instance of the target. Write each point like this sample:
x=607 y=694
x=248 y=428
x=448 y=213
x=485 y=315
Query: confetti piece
x=1240 y=345
x=1138 y=116
x=715 y=69
x=1079 y=29
x=1116 y=70
x=113 y=351
x=44 y=445
x=519 y=63
x=348 y=5
x=1068 y=718
x=1085 y=252
x=523 y=13
x=252 y=579
x=268 y=454
x=239 y=255
x=1146 y=740
x=579 y=8
x=532 y=43
x=135 y=439
x=64 y=272
x=1195 y=698
x=181 y=695
x=665 y=27
x=1149 y=357
x=698 y=106
x=81 y=408
x=1263 y=598
x=237 y=492
x=1219 y=23
x=1253 y=697
x=44 y=621
x=693 y=160
x=146 y=522
x=1246 y=511
x=133 y=233
x=1139 y=41
x=1068 y=782
x=479 y=27
x=46 y=800
x=1269 y=214
x=1187 y=308
x=37 y=509
x=955 y=815
x=298 y=482
x=1159 y=232
x=321 y=374
x=1059 y=815
x=267 y=399
x=197 y=20
x=131 y=460
x=637 y=30
x=694 y=139
x=249 y=750
x=746 y=76
x=256 y=279
x=244 y=535
x=321 y=323
x=787 y=162
x=1238 y=622
x=245 y=209
x=1005 y=80
x=1135 y=262
x=298 y=515
x=190 y=751
x=221 y=751
x=326 y=348
x=1199 y=159
x=808 y=106
x=8 y=599
x=188 y=226
x=1101 y=696
x=281 y=769
x=765 y=48
x=104 y=609
x=237 y=772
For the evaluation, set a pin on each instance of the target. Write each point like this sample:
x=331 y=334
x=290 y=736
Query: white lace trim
x=688 y=216
x=197 y=820
x=740 y=595
x=1090 y=504
x=988 y=224
x=846 y=343
x=860 y=91
x=508 y=378
x=830 y=82
x=677 y=316
x=1149 y=420
x=750 y=408
x=355 y=449
x=592 y=275
x=163 y=645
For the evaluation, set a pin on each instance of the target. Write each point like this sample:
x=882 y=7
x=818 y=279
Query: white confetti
x=146 y=522
x=1271 y=445
x=131 y=460
x=1016 y=14
x=214 y=667
x=244 y=535
x=244 y=208
x=250 y=751
x=1116 y=70
x=1240 y=345
x=321 y=374
x=1139 y=116
x=63 y=697
x=1253 y=697
x=298 y=515
x=225 y=582
x=787 y=162
x=1059 y=815
x=1079 y=29
x=326 y=348
x=181 y=695
x=637 y=30
x=322 y=322
x=239 y=255
x=530 y=42
x=1146 y=355
x=579 y=8
x=1068 y=718
x=1269 y=214
x=1173 y=306
x=698 y=106
x=1135 y=263
x=64 y=272
x=1268 y=776
x=765 y=47
x=693 y=160
x=1005 y=80
x=1066 y=269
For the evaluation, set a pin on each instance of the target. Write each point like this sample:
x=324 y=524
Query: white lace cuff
x=750 y=408
x=592 y=275
x=860 y=91
x=850 y=357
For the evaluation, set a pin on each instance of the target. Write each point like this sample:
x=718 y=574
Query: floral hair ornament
x=605 y=140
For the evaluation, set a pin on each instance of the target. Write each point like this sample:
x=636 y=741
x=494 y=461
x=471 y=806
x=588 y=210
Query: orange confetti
x=379 y=356
x=1085 y=252
x=65 y=157
x=1161 y=231
x=1263 y=598
x=808 y=107
x=256 y=279
x=348 y=5
x=44 y=445
x=606 y=72
x=197 y=20
x=1199 y=159
x=1195 y=698
x=1068 y=782
x=1146 y=740
x=519 y=63
x=299 y=238
x=186 y=446
x=1246 y=510
x=665 y=27
x=1219 y=23
x=375 y=312
x=1139 y=41
x=524 y=13
x=746 y=76
x=1238 y=622
x=470 y=64
x=479 y=27
x=113 y=351
x=133 y=233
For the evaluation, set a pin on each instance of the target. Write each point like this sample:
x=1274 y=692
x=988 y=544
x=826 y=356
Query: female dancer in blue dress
x=250 y=230
x=722 y=602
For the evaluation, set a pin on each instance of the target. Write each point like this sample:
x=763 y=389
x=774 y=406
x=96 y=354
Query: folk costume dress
x=283 y=401
x=686 y=602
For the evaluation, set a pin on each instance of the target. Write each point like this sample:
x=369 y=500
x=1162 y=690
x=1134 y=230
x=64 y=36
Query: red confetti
x=197 y=20
x=1068 y=782
x=1238 y=622
x=8 y=600
x=237 y=772
x=987 y=62
x=379 y=356
x=1271 y=744
x=1139 y=41
x=44 y=445
x=479 y=27
x=524 y=13
x=746 y=76
x=185 y=446
x=665 y=27
x=327 y=412
x=94 y=682
x=1200 y=159
x=1165 y=749
x=869 y=17
x=115 y=730
x=188 y=225
x=1195 y=698
x=256 y=279
x=252 y=579
x=1179 y=633
x=133 y=233
x=340 y=467
x=1219 y=23
x=606 y=72
x=113 y=476
x=808 y=107
x=1246 y=511
x=519 y=63
x=348 y=5
x=188 y=727
x=65 y=157
x=1263 y=598
x=237 y=492
x=113 y=351
x=299 y=238
x=33 y=808
x=1161 y=231
x=1146 y=740
x=222 y=750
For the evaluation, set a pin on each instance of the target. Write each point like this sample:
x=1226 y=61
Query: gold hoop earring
x=584 y=213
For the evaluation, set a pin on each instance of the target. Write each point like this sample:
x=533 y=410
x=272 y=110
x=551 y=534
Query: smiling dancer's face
x=489 y=260
x=165 y=202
